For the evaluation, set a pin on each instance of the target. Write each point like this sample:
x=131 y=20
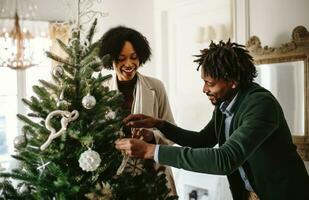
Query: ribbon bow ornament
x=66 y=118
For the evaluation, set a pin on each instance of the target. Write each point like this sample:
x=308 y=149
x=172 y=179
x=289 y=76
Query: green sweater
x=260 y=141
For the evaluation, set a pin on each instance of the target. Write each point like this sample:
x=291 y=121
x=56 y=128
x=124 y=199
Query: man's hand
x=142 y=121
x=136 y=148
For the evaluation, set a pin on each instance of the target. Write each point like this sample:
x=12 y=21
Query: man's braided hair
x=228 y=61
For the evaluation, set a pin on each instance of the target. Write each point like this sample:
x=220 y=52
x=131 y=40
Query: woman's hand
x=136 y=148
x=142 y=133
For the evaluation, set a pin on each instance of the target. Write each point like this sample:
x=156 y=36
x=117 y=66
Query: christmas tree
x=66 y=149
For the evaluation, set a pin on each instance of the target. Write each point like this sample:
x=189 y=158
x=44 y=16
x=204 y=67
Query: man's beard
x=217 y=101
x=228 y=97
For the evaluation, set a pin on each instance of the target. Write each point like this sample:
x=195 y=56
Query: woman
x=128 y=50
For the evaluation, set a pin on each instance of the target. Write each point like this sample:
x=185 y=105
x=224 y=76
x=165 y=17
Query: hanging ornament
x=88 y=101
x=110 y=114
x=61 y=103
x=103 y=192
x=89 y=160
x=42 y=166
x=23 y=188
x=66 y=118
x=134 y=166
x=20 y=141
x=58 y=71
x=123 y=164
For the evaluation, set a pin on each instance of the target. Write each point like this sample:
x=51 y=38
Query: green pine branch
x=58 y=58
x=30 y=122
x=91 y=31
x=50 y=86
x=65 y=48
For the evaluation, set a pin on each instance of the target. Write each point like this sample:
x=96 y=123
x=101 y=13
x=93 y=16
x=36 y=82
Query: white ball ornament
x=88 y=101
x=89 y=160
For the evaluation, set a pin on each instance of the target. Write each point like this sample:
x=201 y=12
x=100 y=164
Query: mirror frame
x=296 y=50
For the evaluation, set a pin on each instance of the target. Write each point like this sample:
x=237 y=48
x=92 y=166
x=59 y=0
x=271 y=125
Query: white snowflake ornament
x=89 y=160
x=104 y=192
x=134 y=167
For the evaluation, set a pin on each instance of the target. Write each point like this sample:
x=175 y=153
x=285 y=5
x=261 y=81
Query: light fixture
x=16 y=52
x=215 y=32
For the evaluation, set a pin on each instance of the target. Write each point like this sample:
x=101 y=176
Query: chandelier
x=16 y=51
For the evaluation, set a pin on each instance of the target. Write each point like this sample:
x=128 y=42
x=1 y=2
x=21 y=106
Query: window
x=3 y=145
x=15 y=85
x=8 y=110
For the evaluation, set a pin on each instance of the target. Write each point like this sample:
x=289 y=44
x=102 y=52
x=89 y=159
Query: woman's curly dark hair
x=228 y=61
x=113 y=41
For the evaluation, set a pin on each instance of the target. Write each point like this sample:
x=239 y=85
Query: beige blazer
x=150 y=98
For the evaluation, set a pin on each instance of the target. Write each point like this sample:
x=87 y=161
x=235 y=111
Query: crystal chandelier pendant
x=19 y=56
x=16 y=51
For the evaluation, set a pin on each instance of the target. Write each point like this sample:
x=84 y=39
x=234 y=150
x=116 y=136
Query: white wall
x=177 y=25
x=273 y=21
x=137 y=14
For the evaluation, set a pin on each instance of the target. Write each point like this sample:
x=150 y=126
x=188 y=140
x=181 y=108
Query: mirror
x=284 y=71
x=286 y=81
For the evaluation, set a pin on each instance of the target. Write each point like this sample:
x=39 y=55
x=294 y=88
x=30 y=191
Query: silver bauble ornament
x=89 y=160
x=58 y=71
x=88 y=101
x=20 y=141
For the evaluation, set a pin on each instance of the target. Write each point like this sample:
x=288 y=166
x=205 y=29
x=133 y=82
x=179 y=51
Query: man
x=255 y=150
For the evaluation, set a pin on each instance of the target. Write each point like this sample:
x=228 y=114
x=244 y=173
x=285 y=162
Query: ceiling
x=55 y=10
